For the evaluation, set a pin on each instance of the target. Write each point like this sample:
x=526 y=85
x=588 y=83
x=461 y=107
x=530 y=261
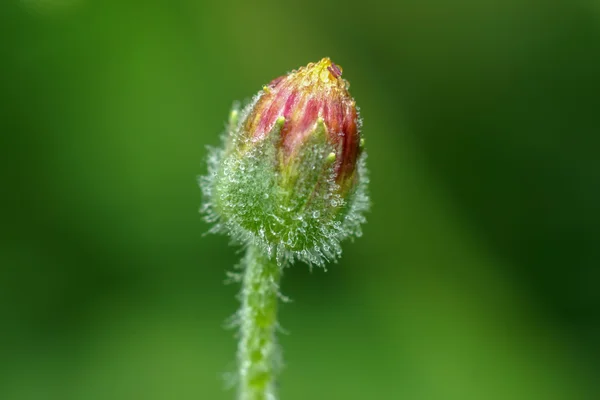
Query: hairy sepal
x=291 y=208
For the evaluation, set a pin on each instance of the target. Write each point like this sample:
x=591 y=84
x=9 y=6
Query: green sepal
x=307 y=169
x=287 y=204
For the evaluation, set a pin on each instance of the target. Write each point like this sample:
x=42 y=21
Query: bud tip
x=335 y=70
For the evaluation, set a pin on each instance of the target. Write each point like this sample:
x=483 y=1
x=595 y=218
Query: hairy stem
x=257 y=350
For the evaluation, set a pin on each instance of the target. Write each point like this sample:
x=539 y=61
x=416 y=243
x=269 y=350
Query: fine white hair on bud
x=290 y=177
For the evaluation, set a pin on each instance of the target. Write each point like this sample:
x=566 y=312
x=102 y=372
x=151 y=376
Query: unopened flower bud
x=291 y=175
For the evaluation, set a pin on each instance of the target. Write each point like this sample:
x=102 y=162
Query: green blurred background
x=477 y=276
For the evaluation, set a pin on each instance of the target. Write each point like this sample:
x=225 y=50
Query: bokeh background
x=478 y=273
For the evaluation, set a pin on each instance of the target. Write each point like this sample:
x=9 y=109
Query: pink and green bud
x=292 y=176
x=307 y=98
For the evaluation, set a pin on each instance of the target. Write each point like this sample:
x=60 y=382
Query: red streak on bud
x=302 y=97
x=335 y=70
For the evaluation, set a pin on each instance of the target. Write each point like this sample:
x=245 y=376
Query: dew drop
x=314 y=77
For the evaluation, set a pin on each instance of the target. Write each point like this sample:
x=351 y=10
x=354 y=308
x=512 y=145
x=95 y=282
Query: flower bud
x=291 y=176
x=313 y=101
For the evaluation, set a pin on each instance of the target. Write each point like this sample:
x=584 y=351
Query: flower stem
x=257 y=351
